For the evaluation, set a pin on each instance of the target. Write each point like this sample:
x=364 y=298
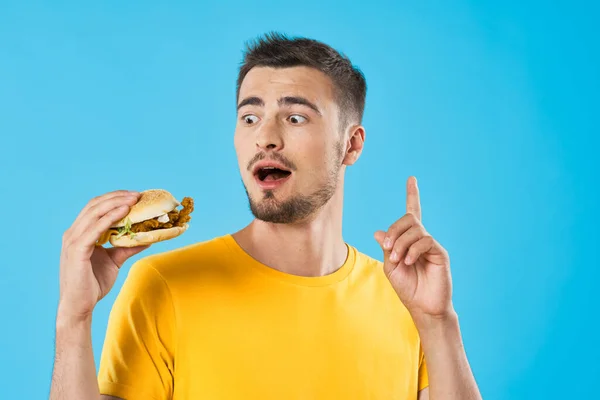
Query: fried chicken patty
x=176 y=218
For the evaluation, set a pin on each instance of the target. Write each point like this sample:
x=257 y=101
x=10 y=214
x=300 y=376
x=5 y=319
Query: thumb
x=379 y=237
x=121 y=254
x=387 y=265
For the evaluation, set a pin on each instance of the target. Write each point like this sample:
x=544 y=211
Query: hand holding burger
x=131 y=222
x=152 y=219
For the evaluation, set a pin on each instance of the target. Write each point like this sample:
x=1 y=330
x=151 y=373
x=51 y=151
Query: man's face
x=288 y=142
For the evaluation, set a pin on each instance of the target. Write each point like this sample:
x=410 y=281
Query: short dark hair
x=280 y=51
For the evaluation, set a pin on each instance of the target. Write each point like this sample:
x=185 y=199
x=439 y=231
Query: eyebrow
x=251 y=101
x=287 y=101
x=291 y=100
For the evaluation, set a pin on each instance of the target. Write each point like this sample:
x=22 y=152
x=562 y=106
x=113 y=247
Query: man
x=283 y=308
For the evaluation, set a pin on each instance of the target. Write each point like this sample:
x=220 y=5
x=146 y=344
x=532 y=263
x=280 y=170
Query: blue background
x=492 y=105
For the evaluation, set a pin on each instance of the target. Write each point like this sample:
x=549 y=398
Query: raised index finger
x=413 y=204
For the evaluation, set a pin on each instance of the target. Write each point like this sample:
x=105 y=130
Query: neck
x=314 y=247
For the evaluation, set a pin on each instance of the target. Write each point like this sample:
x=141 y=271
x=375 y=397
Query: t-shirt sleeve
x=423 y=377
x=138 y=353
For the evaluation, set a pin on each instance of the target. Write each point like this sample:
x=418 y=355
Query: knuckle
x=95 y=199
x=392 y=228
x=411 y=218
x=69 y=243
x=111 y=214
x=77 y=250
x=400 y=246
x=419 y=230
x=445 y=252
x=95 y=211
x=396 y=226
x=117 y=193
x=66 y=237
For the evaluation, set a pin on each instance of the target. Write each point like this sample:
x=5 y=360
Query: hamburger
x=152 y=219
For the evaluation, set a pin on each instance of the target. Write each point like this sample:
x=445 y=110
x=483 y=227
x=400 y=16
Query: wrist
x=68 y=319
x=438 y=331
x=73 y=331
x=428 y=322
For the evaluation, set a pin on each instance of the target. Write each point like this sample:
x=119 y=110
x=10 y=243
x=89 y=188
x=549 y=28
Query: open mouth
x=268 y=174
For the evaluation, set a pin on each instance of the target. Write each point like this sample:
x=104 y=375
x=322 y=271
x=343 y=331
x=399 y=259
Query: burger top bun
x=151 y=204
x=144 y=238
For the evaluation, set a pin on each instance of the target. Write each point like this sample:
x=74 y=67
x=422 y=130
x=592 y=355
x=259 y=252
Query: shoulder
x=156 y=282
x=368 y=271
x=366 y=266
x=196 y=254
x=184 y=263
x=370 y=276
x=365 y=260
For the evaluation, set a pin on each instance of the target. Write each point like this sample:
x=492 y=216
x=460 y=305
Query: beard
x=298 y=207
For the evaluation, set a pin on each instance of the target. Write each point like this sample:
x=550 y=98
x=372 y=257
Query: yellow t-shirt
x=208 y=321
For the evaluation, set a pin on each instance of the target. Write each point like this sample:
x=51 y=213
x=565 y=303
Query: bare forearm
x=450 y=376
x=74 y=375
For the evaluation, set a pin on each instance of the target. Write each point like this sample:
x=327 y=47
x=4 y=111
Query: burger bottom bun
x=144 y=238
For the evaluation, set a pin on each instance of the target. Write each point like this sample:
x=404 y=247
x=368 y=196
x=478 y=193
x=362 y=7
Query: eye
x=250 y=119
x=297 y=119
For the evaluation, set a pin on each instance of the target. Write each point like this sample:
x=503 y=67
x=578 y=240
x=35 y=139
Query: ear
x=354 y=144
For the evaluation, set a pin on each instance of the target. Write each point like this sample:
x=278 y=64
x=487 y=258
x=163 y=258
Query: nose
x=269 y=136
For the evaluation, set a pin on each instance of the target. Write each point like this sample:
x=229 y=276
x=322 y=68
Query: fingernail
x=387 y=243
x=408 y=260
x=394 y=256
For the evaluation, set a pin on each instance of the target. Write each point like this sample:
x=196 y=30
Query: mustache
x=274 y=157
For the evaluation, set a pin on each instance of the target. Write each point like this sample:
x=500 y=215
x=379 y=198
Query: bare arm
x=450 y=375
x=74 y=375
x=74 y=362
x=87 y=273
x=424 y=394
